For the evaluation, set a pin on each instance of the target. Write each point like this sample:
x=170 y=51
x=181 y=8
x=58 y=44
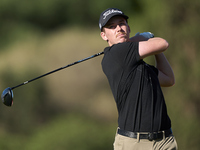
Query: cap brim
x=107 y=19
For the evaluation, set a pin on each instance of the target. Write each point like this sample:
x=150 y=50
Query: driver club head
x=7 y=97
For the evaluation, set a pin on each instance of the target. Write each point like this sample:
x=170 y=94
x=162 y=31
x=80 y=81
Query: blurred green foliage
x=74 y=109
x=19 y=16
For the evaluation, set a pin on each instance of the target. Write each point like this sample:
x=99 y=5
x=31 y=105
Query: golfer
x=143 y=122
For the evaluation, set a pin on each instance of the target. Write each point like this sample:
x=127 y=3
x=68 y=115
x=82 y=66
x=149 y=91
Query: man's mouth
x=121 y=34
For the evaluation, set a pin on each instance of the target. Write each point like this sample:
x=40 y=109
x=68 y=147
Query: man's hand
x=145 y=34
x=141 y=36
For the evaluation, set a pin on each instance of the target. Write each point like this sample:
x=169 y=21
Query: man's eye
x=111 y=27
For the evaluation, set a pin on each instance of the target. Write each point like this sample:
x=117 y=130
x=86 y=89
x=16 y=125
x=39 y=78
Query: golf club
x=7 y=95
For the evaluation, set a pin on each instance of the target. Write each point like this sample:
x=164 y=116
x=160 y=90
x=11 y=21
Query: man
x=143 y=122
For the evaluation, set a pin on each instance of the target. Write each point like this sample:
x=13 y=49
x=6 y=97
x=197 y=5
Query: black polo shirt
x=136 y=89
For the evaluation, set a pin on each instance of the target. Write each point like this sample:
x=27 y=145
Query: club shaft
x=76 y=62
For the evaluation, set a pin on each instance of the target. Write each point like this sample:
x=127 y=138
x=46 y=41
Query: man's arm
x=148 y=45
x=165 y=75
x=156 y=46
x=152 y=46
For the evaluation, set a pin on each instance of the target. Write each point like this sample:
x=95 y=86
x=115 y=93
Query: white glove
x=146 y=34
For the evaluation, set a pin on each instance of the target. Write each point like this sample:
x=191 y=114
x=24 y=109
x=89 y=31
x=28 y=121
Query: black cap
x=109 y=13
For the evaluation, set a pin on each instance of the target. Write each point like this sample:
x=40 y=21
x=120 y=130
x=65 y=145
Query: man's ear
x=103 y=36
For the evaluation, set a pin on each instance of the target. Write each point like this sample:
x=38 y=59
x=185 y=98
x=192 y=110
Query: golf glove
x=146 y=34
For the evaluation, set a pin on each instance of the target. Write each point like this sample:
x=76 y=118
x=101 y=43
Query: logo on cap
x=111 y=12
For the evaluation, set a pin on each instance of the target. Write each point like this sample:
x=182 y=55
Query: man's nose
x=118 y=27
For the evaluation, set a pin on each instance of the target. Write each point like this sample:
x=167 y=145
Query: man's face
x=116 y=31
